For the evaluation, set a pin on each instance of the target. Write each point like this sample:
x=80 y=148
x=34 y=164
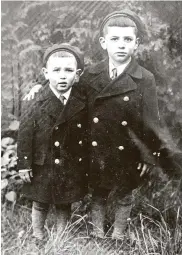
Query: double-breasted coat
x=52 y=141
x=120 y=111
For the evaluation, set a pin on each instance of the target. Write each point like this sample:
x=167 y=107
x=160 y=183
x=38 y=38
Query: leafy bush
x=29 y=27
x=10 y=180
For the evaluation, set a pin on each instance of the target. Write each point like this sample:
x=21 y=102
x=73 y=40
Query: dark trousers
x=39 y=215
x=121 y=199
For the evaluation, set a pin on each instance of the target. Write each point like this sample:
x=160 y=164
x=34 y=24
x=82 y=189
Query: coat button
x=95 y=120
x=126 y=98
x=80 y=142
x=79 y=125
x=25 y=157
x=154 y=153
x=80 y=159
x=56 y=143
x=94 y=143
x=56 y=128
x=56 y=161
x=124 y=123
x=121 y=148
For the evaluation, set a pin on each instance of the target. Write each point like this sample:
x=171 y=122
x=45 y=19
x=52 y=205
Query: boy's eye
x=56 y=70
x=128 y=39
x=69 y=70
x=114 y=38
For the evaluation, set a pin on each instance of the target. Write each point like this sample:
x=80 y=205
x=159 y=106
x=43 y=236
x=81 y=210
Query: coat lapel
x=122 y=84
x=75 y=104
x=50 y=104
x=119 y=86
x=101 y=78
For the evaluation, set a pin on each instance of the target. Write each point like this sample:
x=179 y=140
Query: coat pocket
x=39 y=158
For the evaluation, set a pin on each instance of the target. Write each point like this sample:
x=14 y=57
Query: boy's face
x=61 y=72
x=120 y=43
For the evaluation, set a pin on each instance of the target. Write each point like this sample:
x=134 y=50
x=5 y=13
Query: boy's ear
x=79 y=72
x=137 y=42
x=102 y=42
x=45 y=72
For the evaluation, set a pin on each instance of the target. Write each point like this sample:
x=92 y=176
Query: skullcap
x=65 y=47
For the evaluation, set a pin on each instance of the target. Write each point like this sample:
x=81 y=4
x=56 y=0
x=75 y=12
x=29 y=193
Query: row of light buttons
x=96 y=120
x=56 y=161
x=124 y=123
x=94 y=143
x=78 y=125
x=57 y=143
x=157 y=154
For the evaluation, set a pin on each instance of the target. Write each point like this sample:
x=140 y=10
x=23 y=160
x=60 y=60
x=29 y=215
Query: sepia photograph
x=91 y=127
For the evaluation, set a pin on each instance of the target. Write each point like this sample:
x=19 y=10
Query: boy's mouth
x=62 y=83
x=121 y=53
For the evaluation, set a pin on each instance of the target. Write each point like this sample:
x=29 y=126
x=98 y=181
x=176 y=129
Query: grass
x=145 y=236
x=155 y=228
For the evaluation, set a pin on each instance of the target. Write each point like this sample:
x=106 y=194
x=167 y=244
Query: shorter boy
x=52 y=152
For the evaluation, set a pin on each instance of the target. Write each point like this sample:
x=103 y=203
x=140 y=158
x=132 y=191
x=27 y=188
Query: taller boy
x=119 y=92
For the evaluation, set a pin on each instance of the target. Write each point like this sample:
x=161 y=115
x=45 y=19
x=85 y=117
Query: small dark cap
x=65 y=47
x=125 y=13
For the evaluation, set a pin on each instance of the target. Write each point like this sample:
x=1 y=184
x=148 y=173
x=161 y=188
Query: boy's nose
x=121 y=44
x=62 y=75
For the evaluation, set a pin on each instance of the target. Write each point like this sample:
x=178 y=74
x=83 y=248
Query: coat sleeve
x=156 y=136
x=150 y=108
x=150 y=120
x=25 y=136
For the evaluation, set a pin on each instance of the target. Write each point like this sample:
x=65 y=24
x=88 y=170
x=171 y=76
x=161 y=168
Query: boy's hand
x=143 y=168
x=32 y=92
x=26 y=175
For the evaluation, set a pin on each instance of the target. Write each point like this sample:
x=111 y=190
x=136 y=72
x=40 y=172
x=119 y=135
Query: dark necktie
x=114 y=73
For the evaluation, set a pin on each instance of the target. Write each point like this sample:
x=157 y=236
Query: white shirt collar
x=67 y=94
x=57 y=94
x=120 y=68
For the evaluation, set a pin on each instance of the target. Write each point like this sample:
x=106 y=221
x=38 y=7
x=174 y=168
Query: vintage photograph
x=91 y=127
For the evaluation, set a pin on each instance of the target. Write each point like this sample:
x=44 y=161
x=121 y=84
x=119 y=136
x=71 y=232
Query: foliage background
x=29 y=27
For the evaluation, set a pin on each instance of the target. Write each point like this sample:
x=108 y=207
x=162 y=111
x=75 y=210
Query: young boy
x=118 y=89
x=123 y=121
x=52 y=151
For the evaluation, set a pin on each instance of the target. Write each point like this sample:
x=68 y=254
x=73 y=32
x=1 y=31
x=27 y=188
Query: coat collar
x=51 y=105
x=122 y=84
x=48 y=102
x=133 y=69
x=75 y=104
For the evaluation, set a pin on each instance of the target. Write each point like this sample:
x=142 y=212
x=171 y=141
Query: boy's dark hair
x=119 y=21
x=124 y=18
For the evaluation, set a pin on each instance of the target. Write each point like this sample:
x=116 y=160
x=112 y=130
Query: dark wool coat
x=120 y=111
x=52 y=141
